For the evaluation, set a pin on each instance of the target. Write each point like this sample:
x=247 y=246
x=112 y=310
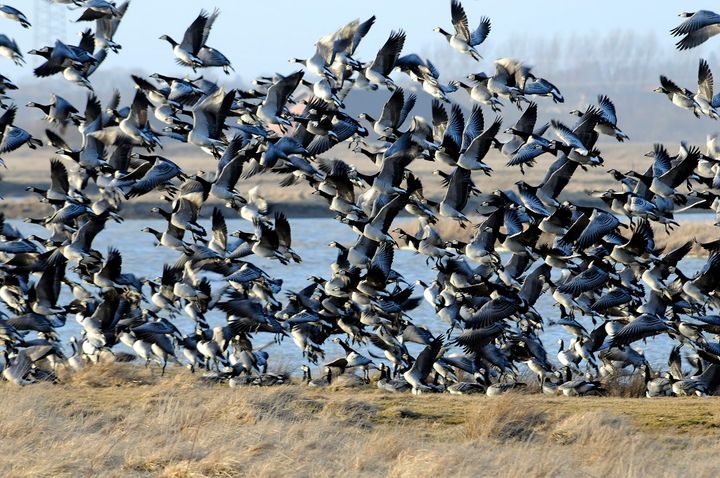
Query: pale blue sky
x=260 y=36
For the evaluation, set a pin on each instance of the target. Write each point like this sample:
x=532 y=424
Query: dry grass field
x=111 y=420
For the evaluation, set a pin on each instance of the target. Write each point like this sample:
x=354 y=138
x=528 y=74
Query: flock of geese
x=612 y=286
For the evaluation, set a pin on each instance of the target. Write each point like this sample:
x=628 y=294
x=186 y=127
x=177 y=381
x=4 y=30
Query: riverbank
x=115 y=420
x=30 y=168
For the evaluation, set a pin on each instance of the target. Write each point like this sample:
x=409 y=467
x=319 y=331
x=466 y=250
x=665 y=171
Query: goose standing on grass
x=704 y=384
x=323 y=381
x=417 y=375
x=76 y=361
x=17 y=368
x=579 y=387
x=697 y=29
x=463 y=40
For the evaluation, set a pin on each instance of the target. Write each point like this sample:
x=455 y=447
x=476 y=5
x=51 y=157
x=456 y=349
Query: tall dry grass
x=127 y=421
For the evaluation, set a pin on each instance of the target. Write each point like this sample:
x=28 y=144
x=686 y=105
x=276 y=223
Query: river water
x=310 y=238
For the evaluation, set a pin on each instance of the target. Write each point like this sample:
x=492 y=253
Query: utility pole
x=49 y=24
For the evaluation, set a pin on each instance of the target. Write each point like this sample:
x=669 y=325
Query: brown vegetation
x=115 y=420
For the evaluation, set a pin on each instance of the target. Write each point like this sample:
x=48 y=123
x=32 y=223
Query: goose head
x=477 y=76
x=443 y=32
x=44 y=52
x=366 y=117
x=168 y=39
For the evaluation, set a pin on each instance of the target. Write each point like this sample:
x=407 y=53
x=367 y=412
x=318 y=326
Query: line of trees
x=623 y=64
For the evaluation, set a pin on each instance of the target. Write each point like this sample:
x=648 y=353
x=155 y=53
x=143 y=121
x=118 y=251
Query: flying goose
x=96 y=9
x=209 y=116
x=448 y=131
x=393 y=115
x=459 y=187
x=479 y=91
x=377 y=71
x=187 y=52
x=13 y=137
x=59 y=110
x=680 y=97
x=704 y=98
x=478 y=148
x=150 y=175
x=508 y=80
x=697 y=29
x=106 y=27
x=463 y=40
x=272 y=108
x=14 y=14
x=211 y=57
x=607 y=123
x=9 y=49
x=521 y=132
x=76 y=63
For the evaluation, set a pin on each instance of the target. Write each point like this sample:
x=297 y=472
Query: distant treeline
x=622 y=64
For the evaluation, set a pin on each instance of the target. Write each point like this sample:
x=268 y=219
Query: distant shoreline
x=29 y=207
x=22 y=208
